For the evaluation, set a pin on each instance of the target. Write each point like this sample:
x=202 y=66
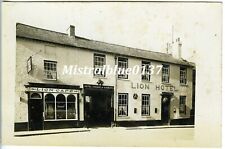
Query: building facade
x=49 y=96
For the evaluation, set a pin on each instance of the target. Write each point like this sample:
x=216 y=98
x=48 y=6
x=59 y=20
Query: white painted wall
x=74 y=56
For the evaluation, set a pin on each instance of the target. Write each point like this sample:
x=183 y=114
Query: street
x=116 y=136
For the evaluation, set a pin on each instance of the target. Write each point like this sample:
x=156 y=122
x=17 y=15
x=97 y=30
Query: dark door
x=165 y=114
x=35 y=114
x=98 y=110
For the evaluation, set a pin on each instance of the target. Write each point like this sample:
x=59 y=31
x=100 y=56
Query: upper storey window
x=183 y=75
x=165 y=73
x=99 y=62
x=122 y=67
x=146 y=68
x=50 y=70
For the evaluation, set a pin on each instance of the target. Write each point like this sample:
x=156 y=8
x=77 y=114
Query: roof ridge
x=91 y=39
x=39 y=28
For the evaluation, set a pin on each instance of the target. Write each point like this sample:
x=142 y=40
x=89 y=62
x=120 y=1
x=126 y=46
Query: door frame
x=29 y=114
x=169 y=96
x=86 y=119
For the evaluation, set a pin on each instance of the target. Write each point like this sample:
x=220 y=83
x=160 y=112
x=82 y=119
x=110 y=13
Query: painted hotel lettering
x=161 y=87
x=169 y=88
x=139 y=86
x=52 y=90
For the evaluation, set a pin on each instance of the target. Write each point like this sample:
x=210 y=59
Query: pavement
x=76 y=130
x=163 y=136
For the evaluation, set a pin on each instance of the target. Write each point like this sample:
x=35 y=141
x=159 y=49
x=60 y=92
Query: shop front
x=52 y=106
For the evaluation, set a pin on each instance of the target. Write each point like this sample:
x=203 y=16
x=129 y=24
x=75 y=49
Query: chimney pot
x=71 y=31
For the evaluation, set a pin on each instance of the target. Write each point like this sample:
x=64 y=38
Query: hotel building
x=47 y=98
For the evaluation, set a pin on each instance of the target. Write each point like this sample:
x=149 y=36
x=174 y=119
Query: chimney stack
x=179 y=47
x=71 y=31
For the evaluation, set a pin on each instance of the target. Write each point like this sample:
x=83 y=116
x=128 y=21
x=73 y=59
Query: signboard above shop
x=52 y=90
x=90 y=86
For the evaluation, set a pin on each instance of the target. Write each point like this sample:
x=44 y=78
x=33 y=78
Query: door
x=35 y=114
x=165 y=114
x=98 y=110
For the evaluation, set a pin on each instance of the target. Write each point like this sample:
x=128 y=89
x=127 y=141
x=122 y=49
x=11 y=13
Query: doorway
x=165 y=109
x=98 y=109
x=35 y=110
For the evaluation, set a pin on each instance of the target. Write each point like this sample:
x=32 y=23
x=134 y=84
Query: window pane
x=122 y=66
x=122 y=104
x=165 y=73
x=182 y=107
x=49 y=110
x=60 y=107
x=147 y=71
x=99 y=62
x=145 y=105
x=183 y=75
x=71 y=108
x=50 y=71
x=71 y=111
x=49 y=106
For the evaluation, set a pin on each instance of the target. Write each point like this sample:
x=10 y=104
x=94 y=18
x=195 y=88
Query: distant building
x=48 y=99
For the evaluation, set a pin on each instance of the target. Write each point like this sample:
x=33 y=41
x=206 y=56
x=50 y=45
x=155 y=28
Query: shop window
x=183 y=75
x=50 y=71
x=165 y=73
x=71 y=107
x=122 y=104
x=146 y=70
x=182 y=107
x=99 y=62
x=49 y=107
x=122 y=67
x=60 y=106
x=145 y=105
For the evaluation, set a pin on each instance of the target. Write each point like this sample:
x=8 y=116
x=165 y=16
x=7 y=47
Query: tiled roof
x=31 y=32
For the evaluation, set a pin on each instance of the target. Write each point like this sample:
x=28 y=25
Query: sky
x=144 y=25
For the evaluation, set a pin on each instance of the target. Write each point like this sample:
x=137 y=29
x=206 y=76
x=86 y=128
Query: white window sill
x=99 y=77
x=146 y=81
x=165 y=83
x=123 y=79
x=185 y=85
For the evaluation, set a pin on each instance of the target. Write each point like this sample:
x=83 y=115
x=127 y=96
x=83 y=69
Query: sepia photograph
x=133 y=74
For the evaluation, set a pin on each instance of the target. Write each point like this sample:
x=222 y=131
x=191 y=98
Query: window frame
x=183 y=78
x=125 y=61
x=182 y=104
x=54 y=71
x=167 y=75
x=55 y=109
x=98 y=66
x=122 y=105
x=147 y=70
x=148 y=111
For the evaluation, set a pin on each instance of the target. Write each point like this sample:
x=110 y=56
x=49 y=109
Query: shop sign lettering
x=52 y=90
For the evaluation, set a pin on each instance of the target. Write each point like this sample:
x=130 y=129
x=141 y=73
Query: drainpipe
x=115 y=92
